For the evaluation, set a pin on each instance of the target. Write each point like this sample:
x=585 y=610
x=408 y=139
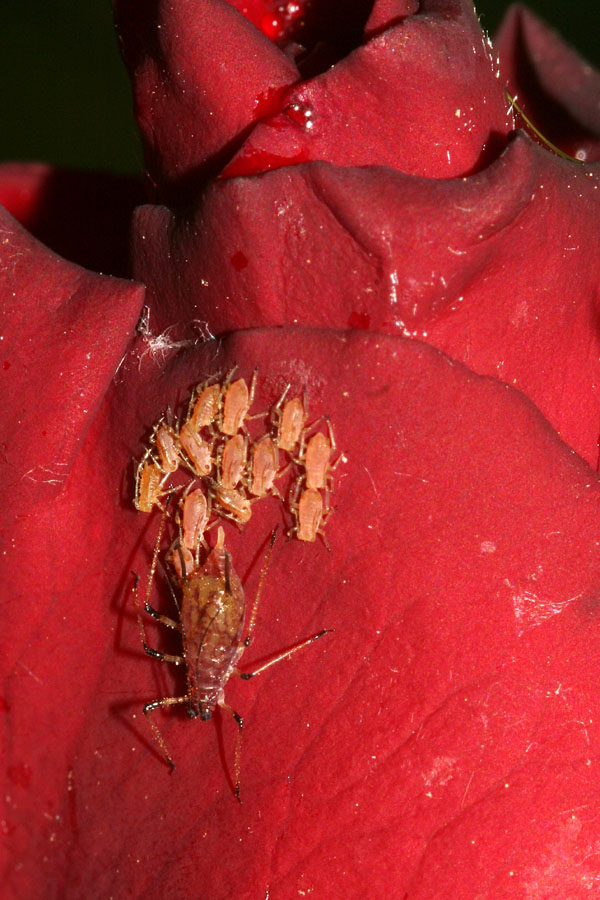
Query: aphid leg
x=238 y=745
x=164 y=657
x=331 y=434
x=341 y=458
x=286 y=654
x=251 y=392
x=263 y=574
x=171 y=590
x=293 y=506
x=275 y=491
x=164 y=620
x=327 y=511
x=169 y=622
x=299 y=460
x=324 y=539
x=276 y=409
x=166 y=701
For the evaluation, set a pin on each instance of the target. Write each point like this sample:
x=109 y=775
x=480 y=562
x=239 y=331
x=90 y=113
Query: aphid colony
x=230 y=471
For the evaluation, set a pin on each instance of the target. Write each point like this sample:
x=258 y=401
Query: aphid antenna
x=227 y=572
x=548 y=143
x=246 y=676
x=310 y=432
x=261 y=581
x=165 y=572
x=182 y=563
x=230 y=375
x=161 y=529
x=251 y=394
x=286 y=391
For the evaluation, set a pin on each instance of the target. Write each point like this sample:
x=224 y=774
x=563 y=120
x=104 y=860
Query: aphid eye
x=205 y=715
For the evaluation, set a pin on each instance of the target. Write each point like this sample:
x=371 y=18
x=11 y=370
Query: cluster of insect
x=213 y=445
x=228 y=472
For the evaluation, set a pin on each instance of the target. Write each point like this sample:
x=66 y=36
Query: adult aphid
x=210 y=619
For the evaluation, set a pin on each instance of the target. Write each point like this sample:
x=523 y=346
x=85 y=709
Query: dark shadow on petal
x=546 y=112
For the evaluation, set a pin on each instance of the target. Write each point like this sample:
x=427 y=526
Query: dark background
x=65 y=97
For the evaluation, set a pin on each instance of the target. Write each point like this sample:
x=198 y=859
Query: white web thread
x=160 y=346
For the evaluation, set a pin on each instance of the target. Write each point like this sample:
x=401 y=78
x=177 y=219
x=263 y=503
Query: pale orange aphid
x=264 y=467
x=148 y=486
x=197 y=450
x=233 y=461
x=166 y=446
x=206 y=407
x=194 y=519
x=309 y=513
x=315 y=456
x=316 y=460
x=233 y=504
x=289 y=421
x=237 y=401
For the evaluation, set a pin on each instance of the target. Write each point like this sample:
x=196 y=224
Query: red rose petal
x=64 y=332
x=202 y=75
x=443 y=741
x=386 y=13
x=505 y=277
x=462 y=585
x=82 y=216
x=557 y=89
x=421 y=96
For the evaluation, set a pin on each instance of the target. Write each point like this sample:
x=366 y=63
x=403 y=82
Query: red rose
x=377 y=234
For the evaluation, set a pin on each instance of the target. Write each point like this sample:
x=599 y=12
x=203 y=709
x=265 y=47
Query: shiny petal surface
x=506 y=276
x=420 y=96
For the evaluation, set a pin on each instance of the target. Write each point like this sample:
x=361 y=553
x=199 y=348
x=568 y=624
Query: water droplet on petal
x=299 y=113
x=359 y=320
x=271 y=26
x=239 y=261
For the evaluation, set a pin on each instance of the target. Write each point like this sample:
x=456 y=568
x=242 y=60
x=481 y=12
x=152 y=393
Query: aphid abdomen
x=265 y=463
x=310 y=511
x=292 y=422
x=194 y=519
x=233 y=503
x=233 y=462
x=318 y=453
x=212 y=616
x=213 y=621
